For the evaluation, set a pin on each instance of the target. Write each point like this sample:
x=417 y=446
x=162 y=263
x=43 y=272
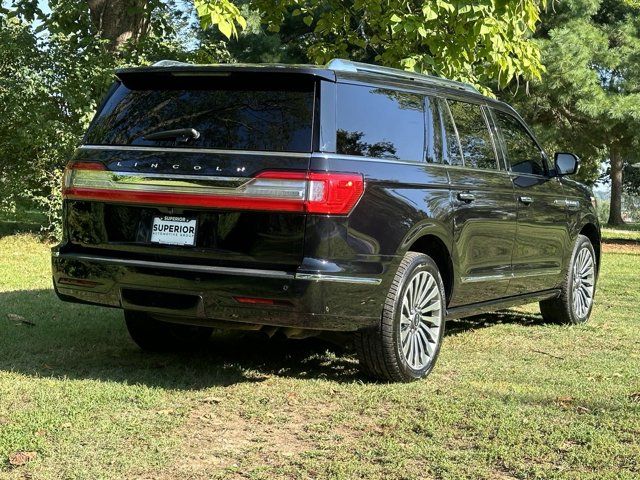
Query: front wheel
x=405 y=346
x=157 y=336
x=576 y=298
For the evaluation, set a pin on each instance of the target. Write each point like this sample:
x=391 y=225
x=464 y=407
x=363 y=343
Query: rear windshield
x=230 y=115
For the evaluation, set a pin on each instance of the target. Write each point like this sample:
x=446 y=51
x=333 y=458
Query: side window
x=433 y=135
x=475 y=139
x=451 y=147
x=377 y=122
x=522 y=152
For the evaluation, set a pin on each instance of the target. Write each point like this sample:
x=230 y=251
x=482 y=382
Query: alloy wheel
x=420 y=320
x=583 y=282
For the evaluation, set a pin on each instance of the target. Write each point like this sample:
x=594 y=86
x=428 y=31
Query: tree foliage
x=55 y=66
x=588 y=100
x=481 y=42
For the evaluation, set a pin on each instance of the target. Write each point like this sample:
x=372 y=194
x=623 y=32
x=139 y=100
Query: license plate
x=174 y=230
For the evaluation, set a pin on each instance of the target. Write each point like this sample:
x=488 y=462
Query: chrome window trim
x=358 y=158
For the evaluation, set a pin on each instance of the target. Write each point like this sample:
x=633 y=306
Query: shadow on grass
x=42 y=336
x=491 y=319
x=621 y=241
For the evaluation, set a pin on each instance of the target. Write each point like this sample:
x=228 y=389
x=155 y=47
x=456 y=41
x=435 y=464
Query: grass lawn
x=510 y=397
x=627 y=232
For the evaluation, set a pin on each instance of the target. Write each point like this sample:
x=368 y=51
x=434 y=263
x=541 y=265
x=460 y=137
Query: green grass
x=509 y=398
x=628 y=232
x=26 y=219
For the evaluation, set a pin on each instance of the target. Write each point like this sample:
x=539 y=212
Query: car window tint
x=451 y=146
x=233 y=117
x=433 y=151
x=378 y=122
x=522 y=152
x=475 y=139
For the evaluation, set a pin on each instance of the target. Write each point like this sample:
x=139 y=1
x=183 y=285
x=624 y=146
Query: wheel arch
x=433 y=245
x=592 y=232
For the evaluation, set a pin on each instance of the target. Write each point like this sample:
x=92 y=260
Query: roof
x=335 y=68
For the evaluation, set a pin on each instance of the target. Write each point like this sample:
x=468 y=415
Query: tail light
x=325 y=193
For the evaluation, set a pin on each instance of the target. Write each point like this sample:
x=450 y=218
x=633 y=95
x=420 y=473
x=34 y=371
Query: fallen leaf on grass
x=564 y=401
x=635 y=397
x=19 y=459
x=14 y=317
x=212 y=400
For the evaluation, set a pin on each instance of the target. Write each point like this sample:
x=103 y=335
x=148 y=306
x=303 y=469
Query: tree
x=486 y=41
x=55 y=67
x=120 y=21
x=589 y=97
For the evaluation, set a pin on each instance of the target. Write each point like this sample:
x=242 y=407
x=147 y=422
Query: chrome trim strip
x=182 y=267
x=538 y=272
x=511 y=275
x=133 y=148
x=320 y=277
x=417 y=163
x=358 y=158
x=249 y=272
x=486 y=278
x=170 y=176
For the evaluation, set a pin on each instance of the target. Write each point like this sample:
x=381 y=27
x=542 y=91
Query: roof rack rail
x=169 y=63
x=342 y=65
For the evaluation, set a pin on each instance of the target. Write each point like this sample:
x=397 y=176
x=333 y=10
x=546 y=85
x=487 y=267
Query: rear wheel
x=157 y=336
x=405 y=346
x=576 y=298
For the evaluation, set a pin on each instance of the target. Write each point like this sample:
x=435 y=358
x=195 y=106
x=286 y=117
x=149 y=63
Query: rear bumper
x=301 y=299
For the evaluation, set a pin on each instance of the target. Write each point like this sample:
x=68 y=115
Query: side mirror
x=566 y=163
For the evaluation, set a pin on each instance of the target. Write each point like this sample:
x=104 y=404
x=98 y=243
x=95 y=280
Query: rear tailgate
x=230 y=193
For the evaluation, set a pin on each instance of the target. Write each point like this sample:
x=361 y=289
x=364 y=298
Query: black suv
x=307 y=199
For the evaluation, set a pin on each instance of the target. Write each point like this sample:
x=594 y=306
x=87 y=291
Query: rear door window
x=228 y=115
x=475 y=139
x=379 y=122
x=522 y=151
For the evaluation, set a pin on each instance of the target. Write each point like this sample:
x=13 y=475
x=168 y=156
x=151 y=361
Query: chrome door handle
x=466 y=197
x=526 y=200
x=568 y=204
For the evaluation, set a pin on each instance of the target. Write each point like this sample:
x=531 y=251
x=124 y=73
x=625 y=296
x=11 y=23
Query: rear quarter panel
x=402 y=202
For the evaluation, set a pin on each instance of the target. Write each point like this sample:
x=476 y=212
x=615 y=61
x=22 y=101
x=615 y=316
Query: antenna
x=341 y=65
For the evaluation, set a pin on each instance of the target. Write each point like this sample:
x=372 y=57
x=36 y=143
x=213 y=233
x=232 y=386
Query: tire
x=153 y=335
x=405 y=347
x=575 y=302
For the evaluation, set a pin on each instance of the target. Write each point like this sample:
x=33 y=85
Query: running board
x=492 y=305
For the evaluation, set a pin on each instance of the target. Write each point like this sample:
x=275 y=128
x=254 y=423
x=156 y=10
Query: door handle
x=568 y=204
x=466 y=196
x=526 y=200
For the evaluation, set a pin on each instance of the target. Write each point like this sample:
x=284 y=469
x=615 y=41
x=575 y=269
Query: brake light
x=325 y=193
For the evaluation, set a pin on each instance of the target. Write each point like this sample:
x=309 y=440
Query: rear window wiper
x=181 y=135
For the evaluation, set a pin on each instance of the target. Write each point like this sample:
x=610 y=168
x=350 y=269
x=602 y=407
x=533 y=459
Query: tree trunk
x=119 y=21
x=615 y=212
